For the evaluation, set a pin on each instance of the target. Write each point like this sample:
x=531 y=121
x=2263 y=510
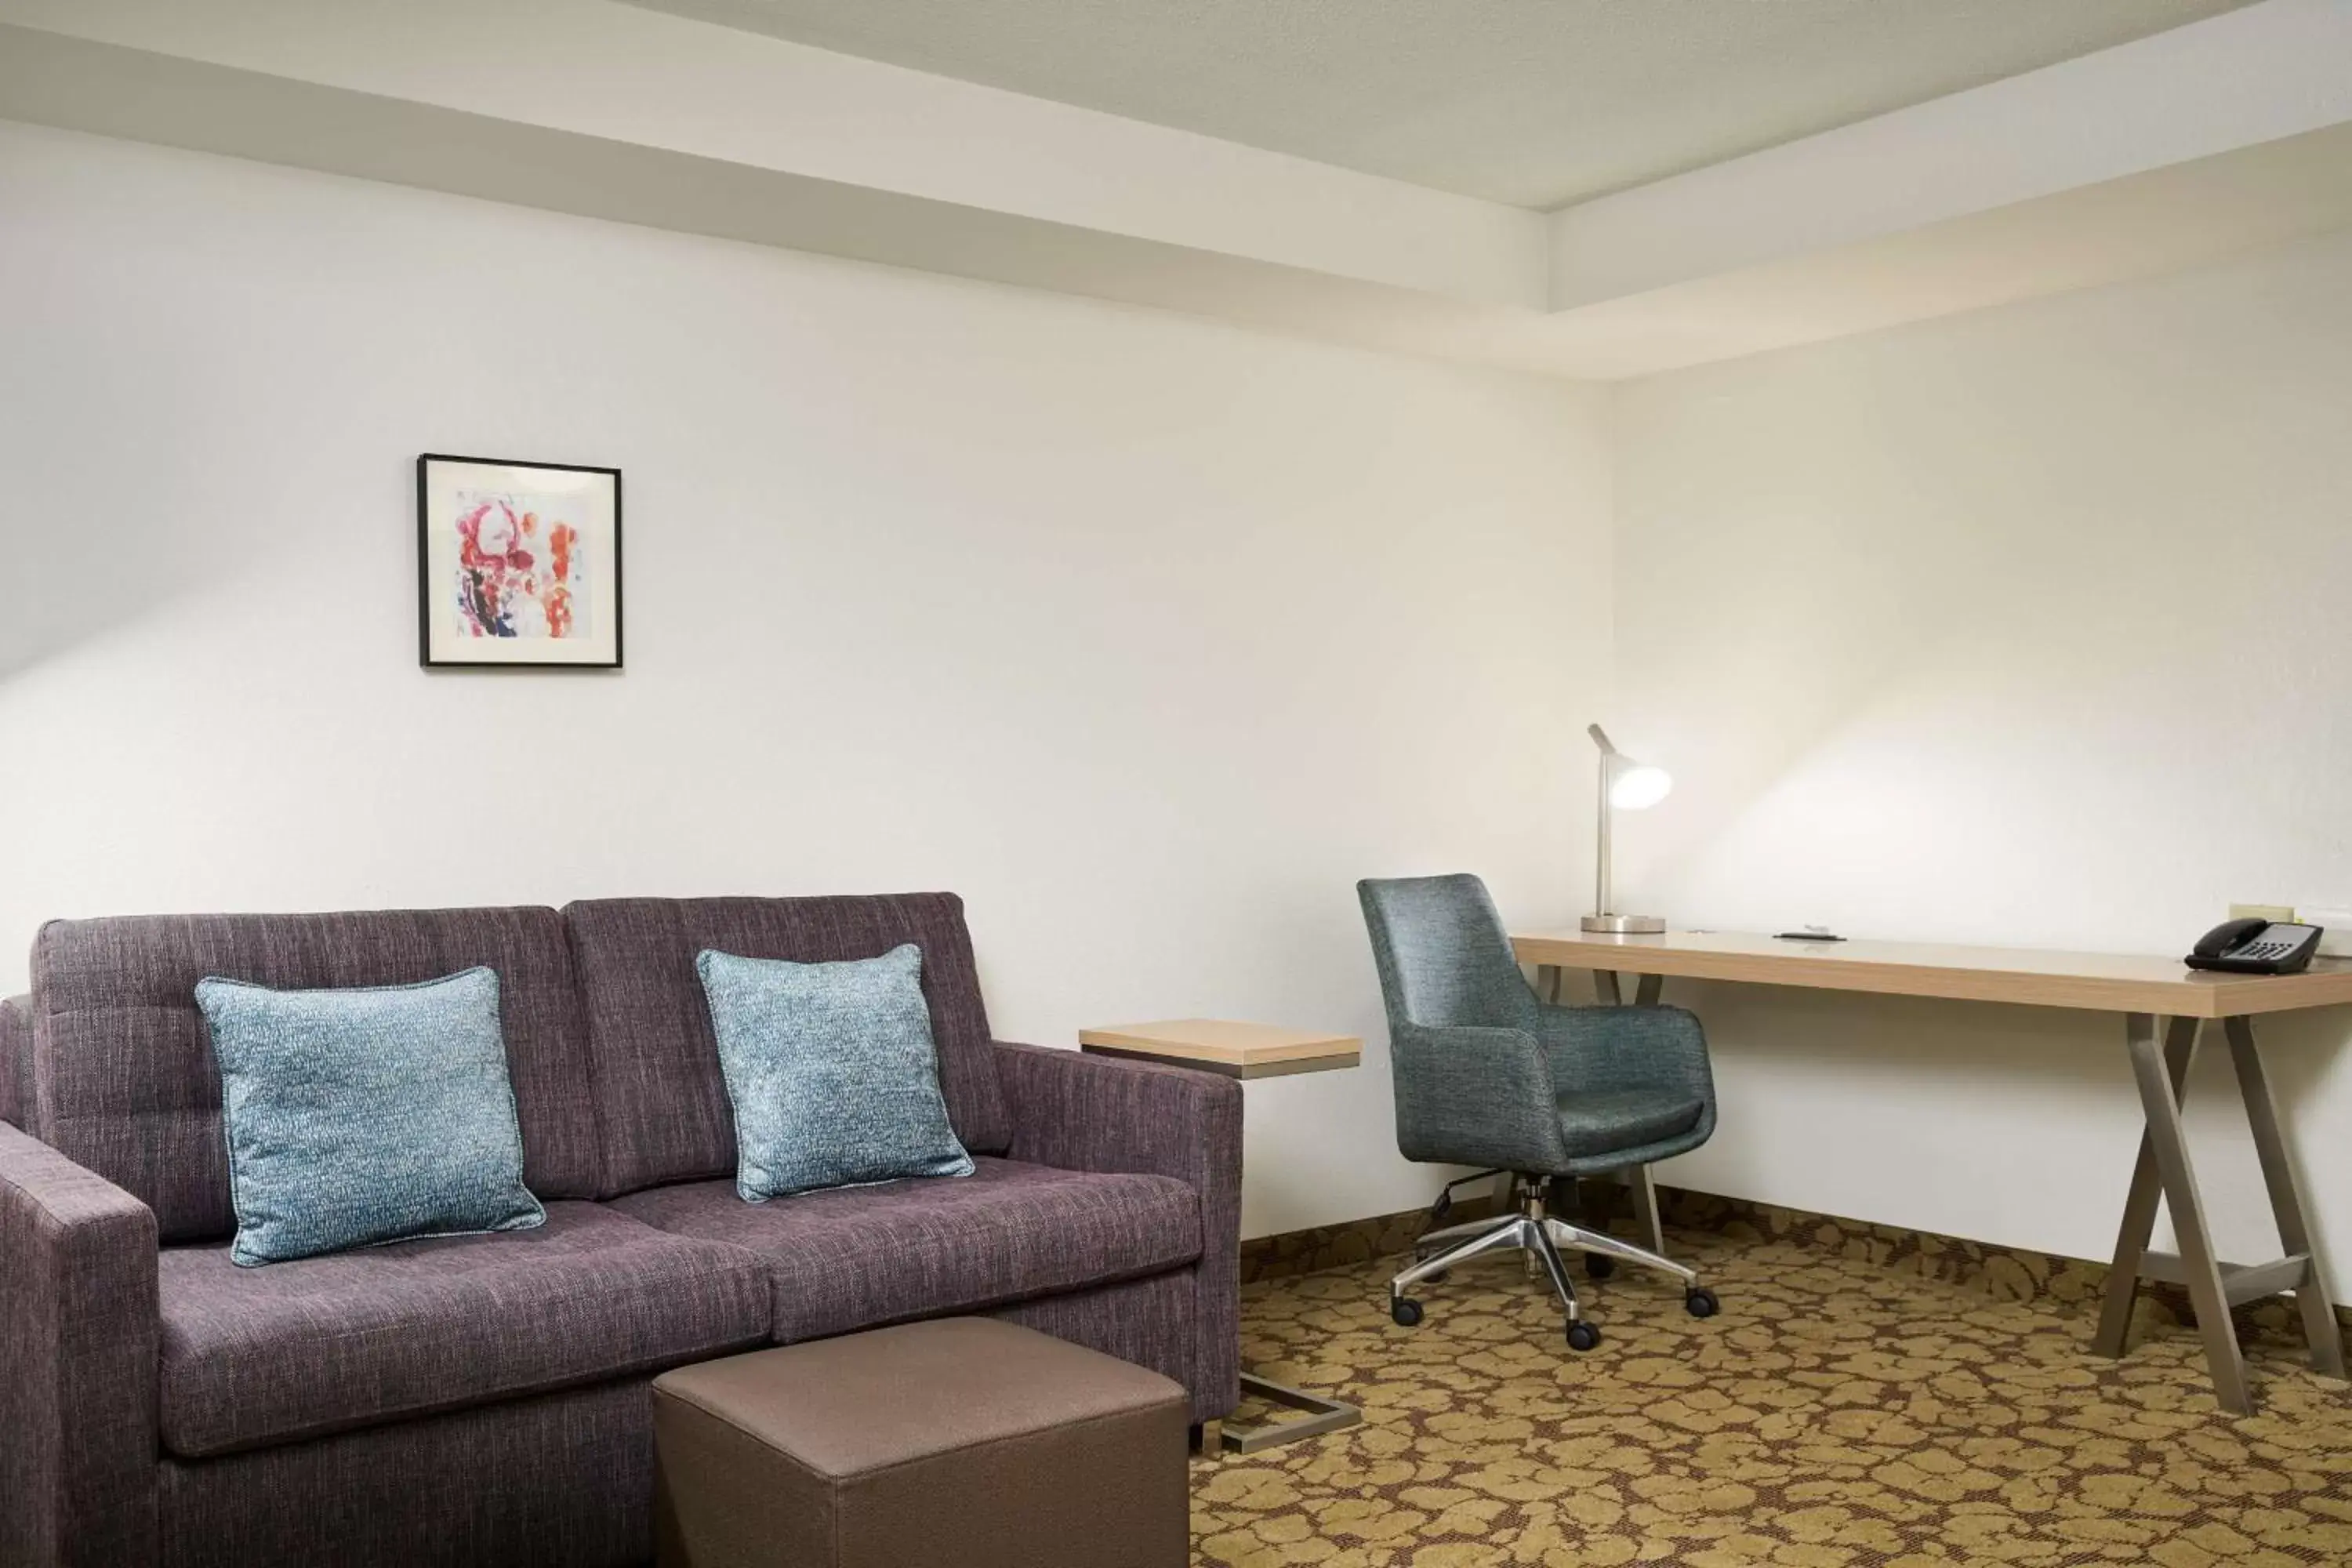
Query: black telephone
x=2256 y=946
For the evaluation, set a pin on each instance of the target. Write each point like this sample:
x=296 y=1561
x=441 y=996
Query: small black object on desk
x=2256 y=946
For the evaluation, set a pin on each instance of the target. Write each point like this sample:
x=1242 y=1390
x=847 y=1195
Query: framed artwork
x=518 y=564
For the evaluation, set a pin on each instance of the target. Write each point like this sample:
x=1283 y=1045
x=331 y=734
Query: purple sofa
x=484 y=1399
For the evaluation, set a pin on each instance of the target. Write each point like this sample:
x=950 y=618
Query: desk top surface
x=1222 y=1045
x=2102 y=982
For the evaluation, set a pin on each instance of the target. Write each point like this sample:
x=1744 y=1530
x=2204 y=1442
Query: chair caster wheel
x=1583 y=1336
x=1599 y=1265
x=1700 y=1303
x=1405 y=1310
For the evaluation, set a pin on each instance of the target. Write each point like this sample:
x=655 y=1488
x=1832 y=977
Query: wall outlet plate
x=2336 y=938
x=2335 y=925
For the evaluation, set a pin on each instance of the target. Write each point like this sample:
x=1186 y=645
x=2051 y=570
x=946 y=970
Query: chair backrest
x=1444 y=957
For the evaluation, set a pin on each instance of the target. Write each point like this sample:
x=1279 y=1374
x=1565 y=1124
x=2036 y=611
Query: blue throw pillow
x=365 y=1116
x=832 y=1070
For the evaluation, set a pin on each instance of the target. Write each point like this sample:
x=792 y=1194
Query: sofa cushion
x=258 y=1356
x=124 y=1076
x=856 y=1256
x=660 y=1095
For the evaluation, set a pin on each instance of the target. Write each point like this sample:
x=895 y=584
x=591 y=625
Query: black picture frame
x=426 y=576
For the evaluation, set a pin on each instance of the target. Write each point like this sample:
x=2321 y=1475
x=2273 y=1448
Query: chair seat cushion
x=252 y=1357
x=1602 y=1122
x=855 y=1258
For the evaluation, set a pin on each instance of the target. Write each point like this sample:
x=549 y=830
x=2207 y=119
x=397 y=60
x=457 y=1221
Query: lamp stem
x=1600 y=894
x=1604 y=918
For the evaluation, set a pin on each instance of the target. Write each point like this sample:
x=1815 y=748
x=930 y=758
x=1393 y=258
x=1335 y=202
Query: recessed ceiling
x=1537 y=103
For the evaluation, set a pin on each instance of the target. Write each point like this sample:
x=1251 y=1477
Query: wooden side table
x=1244 y=1051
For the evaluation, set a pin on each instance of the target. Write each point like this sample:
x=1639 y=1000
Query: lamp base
x=1624 y=925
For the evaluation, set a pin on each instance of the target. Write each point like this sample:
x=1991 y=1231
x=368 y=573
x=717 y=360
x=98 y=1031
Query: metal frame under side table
x=2164 y=1008
x=1244 y=1051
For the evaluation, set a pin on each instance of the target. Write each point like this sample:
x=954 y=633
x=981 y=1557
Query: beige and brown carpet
x=1841 y=1413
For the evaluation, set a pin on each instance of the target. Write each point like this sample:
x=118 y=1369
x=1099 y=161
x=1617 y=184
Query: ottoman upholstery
x=961 y=1441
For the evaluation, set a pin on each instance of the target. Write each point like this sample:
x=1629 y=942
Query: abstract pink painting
x=519 y=572
x=517 y=564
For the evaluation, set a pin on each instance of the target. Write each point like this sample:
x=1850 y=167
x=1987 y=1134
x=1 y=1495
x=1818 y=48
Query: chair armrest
x=1628 y=1048
x=78 y=1353
x=1475 y=1097
x=16 y=1060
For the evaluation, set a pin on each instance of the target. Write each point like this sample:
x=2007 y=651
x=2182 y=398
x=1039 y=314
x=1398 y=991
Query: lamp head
x=1639 y=787
x=1632 y=786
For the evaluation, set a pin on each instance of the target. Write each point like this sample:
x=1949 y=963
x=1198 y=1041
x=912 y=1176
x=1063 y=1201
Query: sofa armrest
x=77 y=1354
x=16 y=1060
x=1084 y=1113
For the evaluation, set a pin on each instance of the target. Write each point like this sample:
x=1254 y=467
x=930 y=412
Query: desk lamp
x=1625 y=785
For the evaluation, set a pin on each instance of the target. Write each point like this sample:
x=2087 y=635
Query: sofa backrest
x=16 y=1060
x=660 y=1095
x=124 y=1081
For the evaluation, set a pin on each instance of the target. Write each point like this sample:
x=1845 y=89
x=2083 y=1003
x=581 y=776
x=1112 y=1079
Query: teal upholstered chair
x=1487 y=1074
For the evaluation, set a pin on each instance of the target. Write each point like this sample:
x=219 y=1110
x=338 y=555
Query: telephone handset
x=2256 y=946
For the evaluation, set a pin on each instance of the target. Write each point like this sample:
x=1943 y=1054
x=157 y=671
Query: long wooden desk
x=2164 y=1005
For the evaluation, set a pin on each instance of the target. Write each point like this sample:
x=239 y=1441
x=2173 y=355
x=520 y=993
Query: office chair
x=1488 y=1075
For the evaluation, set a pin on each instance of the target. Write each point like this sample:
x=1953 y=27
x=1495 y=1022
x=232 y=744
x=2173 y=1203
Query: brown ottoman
x=963 y=1442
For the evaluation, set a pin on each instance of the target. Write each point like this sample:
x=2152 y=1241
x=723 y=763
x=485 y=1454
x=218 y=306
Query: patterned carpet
x=1840 y=1414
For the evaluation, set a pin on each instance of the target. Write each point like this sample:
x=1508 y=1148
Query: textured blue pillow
x=365 y=1116
x=833 y=1072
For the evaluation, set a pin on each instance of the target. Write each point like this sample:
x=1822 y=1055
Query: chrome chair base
x=1541 y=1239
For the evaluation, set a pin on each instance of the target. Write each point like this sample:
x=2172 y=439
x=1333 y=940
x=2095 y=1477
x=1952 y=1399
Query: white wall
x=2023 y=627
x=1149 y=636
